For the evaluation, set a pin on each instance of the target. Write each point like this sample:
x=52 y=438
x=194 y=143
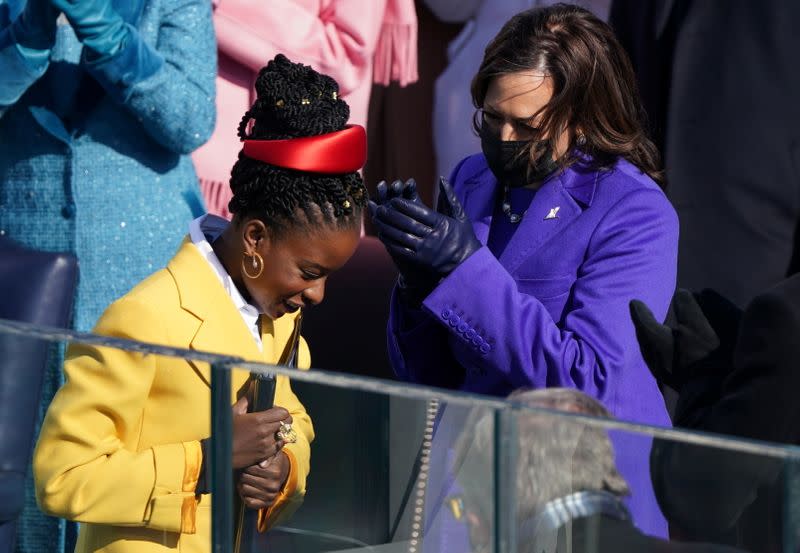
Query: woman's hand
x=259 y=485
x=96 y=24
x=254 y=434
x=701 y=337
x=421 y=238
x=398 y=189
x=35 y=27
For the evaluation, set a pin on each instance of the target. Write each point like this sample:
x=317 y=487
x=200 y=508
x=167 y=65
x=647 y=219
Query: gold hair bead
x=280 y=103
x=346 y=204
x=335 y=95
x=305 y=101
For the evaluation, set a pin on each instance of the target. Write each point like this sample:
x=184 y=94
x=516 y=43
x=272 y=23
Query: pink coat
x=340 y=38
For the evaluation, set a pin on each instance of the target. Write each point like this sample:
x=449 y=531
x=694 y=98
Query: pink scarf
x=396 y=52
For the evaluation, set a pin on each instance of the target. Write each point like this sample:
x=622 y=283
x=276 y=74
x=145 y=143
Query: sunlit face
x=297 y=266
x=512 y=102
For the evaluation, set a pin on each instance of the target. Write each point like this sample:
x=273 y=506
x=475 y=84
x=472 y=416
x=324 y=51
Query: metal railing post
x=505 y=497
x=221 y=459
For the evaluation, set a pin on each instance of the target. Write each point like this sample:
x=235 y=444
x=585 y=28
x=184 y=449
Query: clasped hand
x=97 y=24
x=257 y=450
x=426 y=245
x=698 y=339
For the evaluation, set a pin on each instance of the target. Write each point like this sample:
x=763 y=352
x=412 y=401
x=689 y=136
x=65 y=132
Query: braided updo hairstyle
x=294 y=101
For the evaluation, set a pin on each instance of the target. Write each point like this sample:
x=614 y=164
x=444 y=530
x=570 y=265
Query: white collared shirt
x=204 y=230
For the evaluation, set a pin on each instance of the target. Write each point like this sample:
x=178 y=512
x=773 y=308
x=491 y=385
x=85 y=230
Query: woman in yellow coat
x=123 y=446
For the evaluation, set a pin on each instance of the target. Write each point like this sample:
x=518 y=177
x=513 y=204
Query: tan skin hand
x=254 y=434
x=259 y=485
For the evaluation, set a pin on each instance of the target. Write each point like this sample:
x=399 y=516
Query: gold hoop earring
x=258 y=266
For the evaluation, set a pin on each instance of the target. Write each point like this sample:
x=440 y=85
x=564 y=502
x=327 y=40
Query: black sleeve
x=757 y=399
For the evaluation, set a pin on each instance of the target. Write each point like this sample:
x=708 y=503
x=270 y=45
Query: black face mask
x=509 y=163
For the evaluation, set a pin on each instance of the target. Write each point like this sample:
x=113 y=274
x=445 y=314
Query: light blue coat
x=117 y=188
x=103 y=171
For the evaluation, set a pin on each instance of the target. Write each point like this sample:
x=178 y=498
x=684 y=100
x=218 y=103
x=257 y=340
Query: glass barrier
x=400 y=467
x=393 y=467
x=115 y=462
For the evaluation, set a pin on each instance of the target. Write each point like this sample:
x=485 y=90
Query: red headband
x=342 y=151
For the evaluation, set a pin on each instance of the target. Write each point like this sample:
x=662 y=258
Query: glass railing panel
x=385 y=468
x=676 y=486
x=117 y=453
x=393 y=467
x=560 y=453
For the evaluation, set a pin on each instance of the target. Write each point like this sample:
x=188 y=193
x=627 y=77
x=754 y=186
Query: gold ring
x=286 y=434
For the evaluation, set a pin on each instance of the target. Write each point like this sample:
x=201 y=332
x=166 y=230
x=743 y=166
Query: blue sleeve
x=20 y=67
x=170 y=88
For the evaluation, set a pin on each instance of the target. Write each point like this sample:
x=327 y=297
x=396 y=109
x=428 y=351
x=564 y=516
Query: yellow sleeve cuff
x=173 y=504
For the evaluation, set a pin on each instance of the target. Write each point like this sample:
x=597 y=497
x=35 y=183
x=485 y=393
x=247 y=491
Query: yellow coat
x=119 y=447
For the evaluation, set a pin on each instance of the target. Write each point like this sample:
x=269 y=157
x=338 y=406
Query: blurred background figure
x=569 y=493
x=720 y=83
x=357 y=42
x=454 y=138
x=400 y=124
x=736 y=374
x=99 y=108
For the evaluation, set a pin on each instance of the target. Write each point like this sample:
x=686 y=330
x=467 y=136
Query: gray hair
x=556 y=455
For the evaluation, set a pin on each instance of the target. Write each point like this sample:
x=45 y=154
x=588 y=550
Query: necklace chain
x=505 y=206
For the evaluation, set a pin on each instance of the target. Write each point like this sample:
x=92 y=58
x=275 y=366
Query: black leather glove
x=398 y=189
x=700 y=339
x=415 y=283
x=435 y=242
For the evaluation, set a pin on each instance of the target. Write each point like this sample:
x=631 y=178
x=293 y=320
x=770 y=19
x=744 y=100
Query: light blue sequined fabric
x=114 y=184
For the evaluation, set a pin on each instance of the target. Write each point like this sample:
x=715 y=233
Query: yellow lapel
x=280 y=335
x=220 y=329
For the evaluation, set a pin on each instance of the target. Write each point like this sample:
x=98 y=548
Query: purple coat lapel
x=560 y=200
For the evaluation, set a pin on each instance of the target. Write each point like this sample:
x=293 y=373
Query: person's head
x=555 y=456
x=293 y=227
x=558 y=79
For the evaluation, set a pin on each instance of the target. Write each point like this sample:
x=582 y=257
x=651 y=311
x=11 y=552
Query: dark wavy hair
x=594 y=86
x=294 y=101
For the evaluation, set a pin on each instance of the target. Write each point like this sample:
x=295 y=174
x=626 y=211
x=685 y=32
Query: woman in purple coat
x=522 y=275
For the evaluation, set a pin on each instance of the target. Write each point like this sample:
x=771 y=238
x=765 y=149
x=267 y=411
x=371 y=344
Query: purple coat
x=553 y=309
